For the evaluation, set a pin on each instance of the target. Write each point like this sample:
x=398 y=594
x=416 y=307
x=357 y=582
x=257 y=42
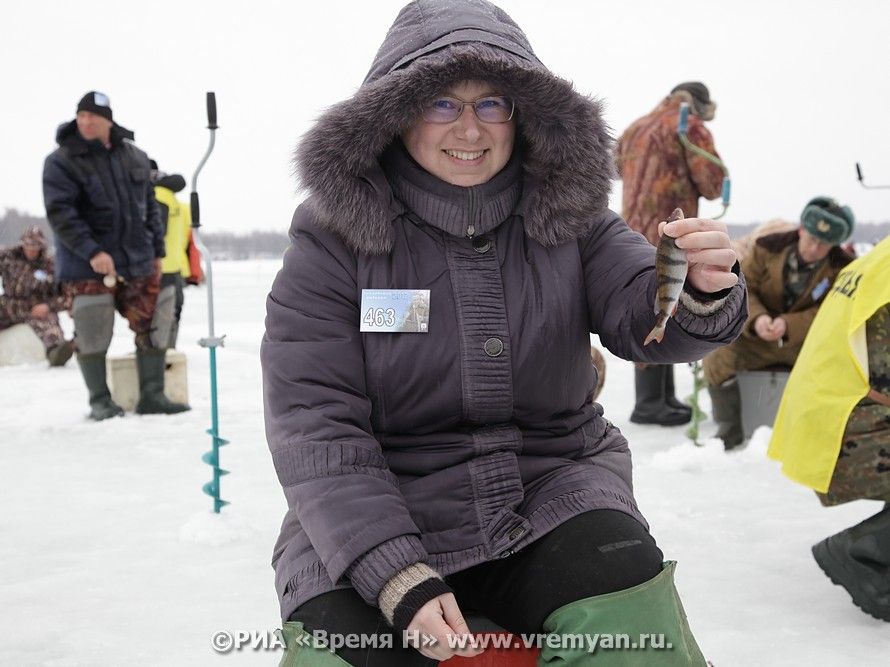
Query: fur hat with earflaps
x=827 y=220
x=34 y=236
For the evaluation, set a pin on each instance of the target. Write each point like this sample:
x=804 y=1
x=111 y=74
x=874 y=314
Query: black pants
x=591 y=554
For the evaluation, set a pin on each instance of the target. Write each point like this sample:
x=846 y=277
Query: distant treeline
x=223 y=245
x=257 y=244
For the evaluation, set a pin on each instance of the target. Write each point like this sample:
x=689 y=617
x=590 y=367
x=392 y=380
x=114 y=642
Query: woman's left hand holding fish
x=708 y=251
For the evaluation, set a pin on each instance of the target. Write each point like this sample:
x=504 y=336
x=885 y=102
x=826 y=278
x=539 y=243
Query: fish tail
x=657 y=332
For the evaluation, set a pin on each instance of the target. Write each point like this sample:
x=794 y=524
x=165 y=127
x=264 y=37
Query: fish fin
x=676 y=215
x=656 y=334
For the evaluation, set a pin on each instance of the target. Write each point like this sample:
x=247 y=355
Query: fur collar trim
x=566 y=146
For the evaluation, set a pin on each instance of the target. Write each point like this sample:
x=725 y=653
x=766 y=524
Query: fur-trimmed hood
x=566 y=146
x=776 y=243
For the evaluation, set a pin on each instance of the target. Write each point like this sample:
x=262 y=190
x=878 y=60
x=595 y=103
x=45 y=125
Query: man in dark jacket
x=30 y=294
x=788 y=275
x=109 y=242
x=659 y=175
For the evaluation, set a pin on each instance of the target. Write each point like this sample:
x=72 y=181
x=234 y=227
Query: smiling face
x=466 y=151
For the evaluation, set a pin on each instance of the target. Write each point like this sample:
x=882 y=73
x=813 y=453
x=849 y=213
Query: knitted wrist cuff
x=415 y=599
x=406 y=589
x=698 y=307
x=704 y=303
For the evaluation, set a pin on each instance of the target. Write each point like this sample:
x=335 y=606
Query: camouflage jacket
x=659 y=174
x=28 y=283
x=878 y=341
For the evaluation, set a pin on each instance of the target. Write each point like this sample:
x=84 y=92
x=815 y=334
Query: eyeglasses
x=489 y=109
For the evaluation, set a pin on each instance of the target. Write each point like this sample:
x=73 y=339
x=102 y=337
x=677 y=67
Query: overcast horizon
x=800 y=90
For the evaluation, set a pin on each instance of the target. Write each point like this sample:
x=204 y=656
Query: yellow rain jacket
x=177 y=238
x=831 y=373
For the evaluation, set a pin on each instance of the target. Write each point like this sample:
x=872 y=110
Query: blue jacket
x=100 y=199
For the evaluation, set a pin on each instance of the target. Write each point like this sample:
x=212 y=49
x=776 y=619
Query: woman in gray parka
x=426 y=359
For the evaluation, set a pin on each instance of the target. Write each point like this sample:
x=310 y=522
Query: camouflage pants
x=134 y=299
x=47 y=329
x=862 y=470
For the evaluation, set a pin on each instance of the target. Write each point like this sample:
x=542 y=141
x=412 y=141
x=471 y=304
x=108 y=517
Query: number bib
x=395 y=311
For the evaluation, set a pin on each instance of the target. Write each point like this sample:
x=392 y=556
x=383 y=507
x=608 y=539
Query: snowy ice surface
x=109 y=554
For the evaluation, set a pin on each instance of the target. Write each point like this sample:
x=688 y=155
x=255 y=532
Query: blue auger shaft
x=218 y=442
x=682 y=128
x=211 y=488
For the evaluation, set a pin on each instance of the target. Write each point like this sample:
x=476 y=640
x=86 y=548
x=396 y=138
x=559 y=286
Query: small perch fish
x=670 y=267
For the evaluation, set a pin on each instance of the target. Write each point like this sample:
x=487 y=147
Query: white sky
x=802 y=87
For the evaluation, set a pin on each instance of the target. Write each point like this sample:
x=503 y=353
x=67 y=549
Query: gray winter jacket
x=470 y=441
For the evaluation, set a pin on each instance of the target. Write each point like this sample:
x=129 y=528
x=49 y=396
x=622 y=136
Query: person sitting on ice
x=30 y=294
x=460 y=462
x=788 y=274
x=832 y=431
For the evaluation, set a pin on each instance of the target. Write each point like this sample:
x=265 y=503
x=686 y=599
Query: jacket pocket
x=102 y=205
x=442 y=506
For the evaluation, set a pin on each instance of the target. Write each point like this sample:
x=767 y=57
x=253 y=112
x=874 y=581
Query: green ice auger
x=212 y=341
x=698 y=415
x=682 y=129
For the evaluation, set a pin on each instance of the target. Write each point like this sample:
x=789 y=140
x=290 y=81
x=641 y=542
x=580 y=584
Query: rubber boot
x=652 y=609
x=150 y=365
x=858 y=559
x=651 y=406
x=301 y=652
x=58 y=355
x=671 y=393
x=726 y=408
x=92 y=366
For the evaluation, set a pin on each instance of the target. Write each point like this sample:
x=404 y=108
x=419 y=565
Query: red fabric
x=498 y=657
x=197 y=276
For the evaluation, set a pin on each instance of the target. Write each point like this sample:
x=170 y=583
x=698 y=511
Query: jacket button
x=494 y=347
x=507 y=553
x=481 y=244
x=516 y=533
